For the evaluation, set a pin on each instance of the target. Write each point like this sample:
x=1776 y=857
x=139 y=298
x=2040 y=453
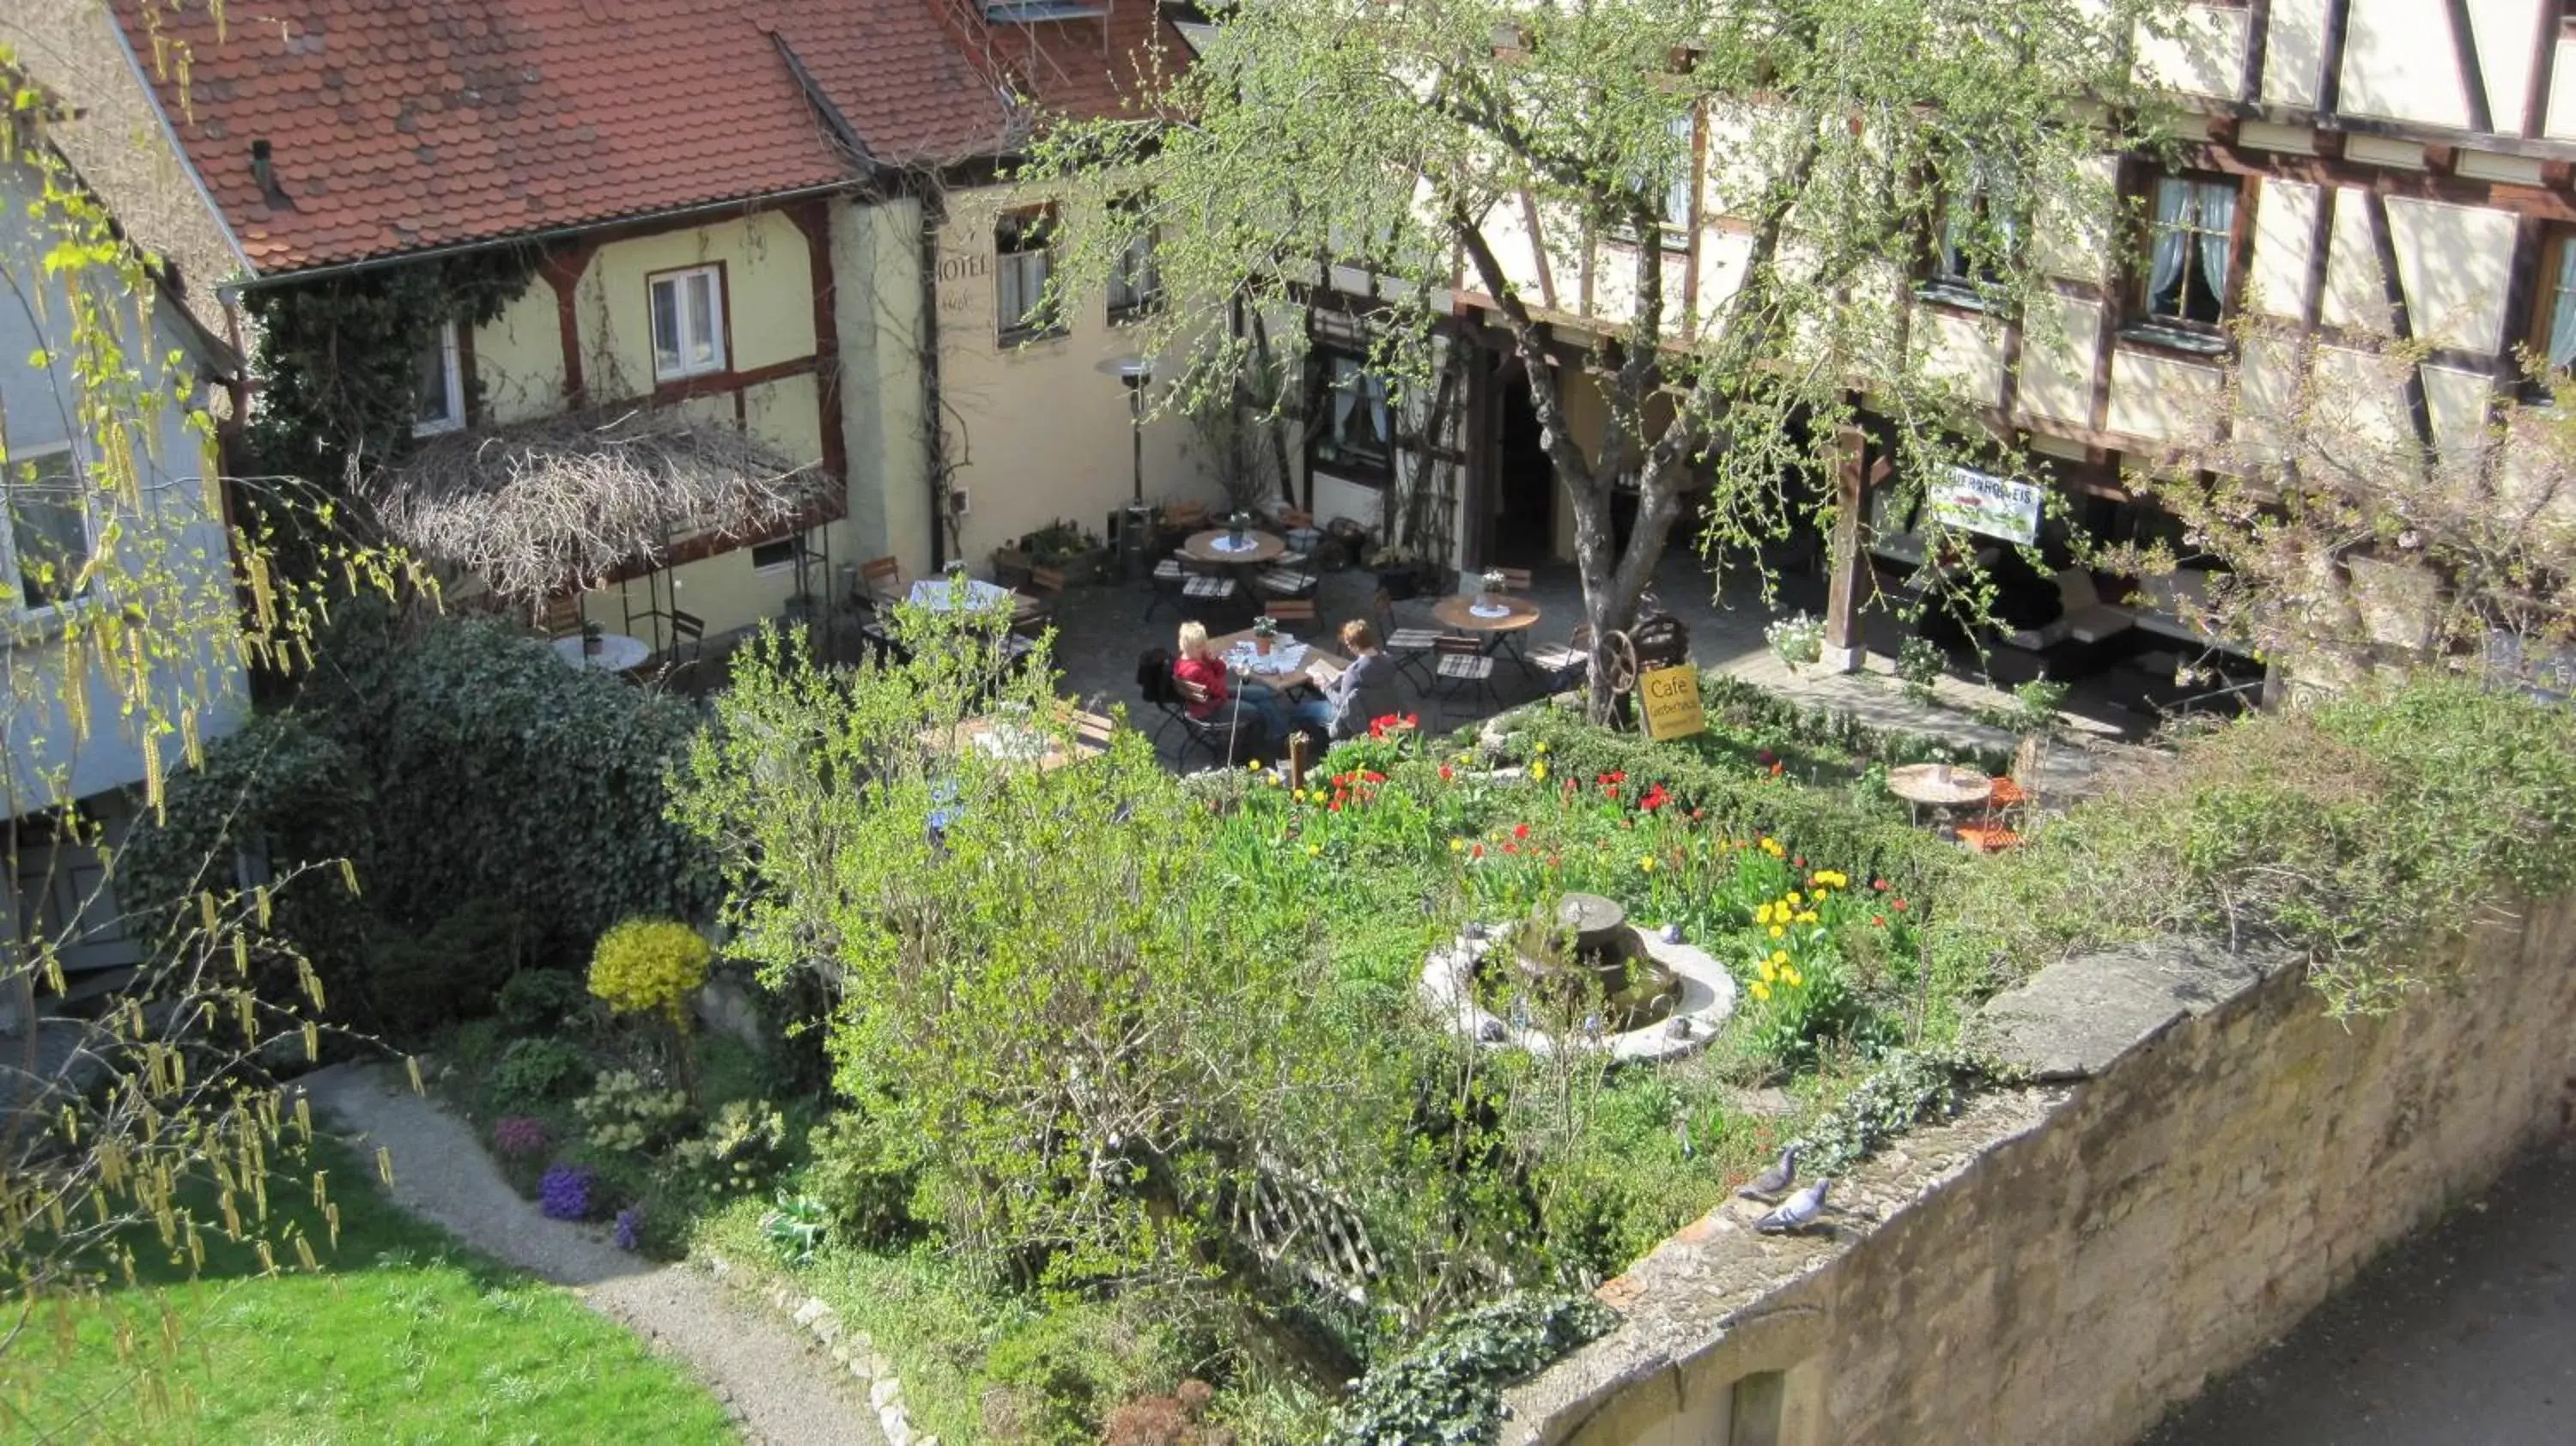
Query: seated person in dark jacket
x=1358 y=695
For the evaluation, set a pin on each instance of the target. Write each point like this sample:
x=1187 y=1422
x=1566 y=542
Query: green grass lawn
x=403 y=1336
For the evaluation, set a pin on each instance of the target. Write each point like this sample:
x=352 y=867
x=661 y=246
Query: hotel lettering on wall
x=956 y=269
x=1671 y=702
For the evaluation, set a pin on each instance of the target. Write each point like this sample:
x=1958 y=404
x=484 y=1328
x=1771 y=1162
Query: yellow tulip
x=1647 y=863
x=1806 y=916
x=1794 y=977
x=1769 y=971
x=1457 y=846
x=1314 y=851
x=1538 y=772
x=1793 y=898
x=1778 y=932
x=1761 y=990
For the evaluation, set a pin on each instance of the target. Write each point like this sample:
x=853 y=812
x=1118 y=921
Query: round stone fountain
x=1580 y=977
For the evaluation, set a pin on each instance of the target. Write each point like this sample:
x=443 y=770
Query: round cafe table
x=1215 y=545
x=1939 y=786
x=1463 y=613
x=617 y=653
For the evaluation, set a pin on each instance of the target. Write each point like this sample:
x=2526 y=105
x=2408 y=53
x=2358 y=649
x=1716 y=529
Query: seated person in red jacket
x=1254 y=703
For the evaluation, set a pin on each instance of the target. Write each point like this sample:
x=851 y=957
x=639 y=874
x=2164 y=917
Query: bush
x=743 y=1146
x=1449 y=1387
x=650 y=966
x=532 y=1072
x=534 y=1001
x=628 y=1116
x=864 y=1181
x=2363 y=836
x=447 y=975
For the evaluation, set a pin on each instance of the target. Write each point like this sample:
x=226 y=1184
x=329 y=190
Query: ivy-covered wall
x=336 y=356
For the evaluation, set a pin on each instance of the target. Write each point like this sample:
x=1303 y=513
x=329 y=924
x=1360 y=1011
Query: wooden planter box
x=1011 y=566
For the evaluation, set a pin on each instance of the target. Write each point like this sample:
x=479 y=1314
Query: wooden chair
x=882 y=579
x=561 y=617
x=1410 y=647
x=1515 y=579
x=1291 y=610
x=1036 y=607
x=1461 y=663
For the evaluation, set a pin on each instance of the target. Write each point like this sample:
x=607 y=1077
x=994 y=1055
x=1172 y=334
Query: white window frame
x=1036 y=318
x=684 y=329
x=21 y=457
x=453 y=366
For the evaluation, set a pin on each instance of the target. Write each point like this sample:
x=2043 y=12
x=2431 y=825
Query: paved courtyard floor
x=1101 y=631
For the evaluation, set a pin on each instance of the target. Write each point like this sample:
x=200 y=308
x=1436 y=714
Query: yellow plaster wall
x=1965 y=351
x=769 y=298
x=2456 y=263
x=518 y=358
x=2162 y=399
x=2397 y=63
x=2202 y=54
x=1037 y=432
x=2285 y=214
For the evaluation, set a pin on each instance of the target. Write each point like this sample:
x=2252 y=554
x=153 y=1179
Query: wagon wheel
x=1619 y=662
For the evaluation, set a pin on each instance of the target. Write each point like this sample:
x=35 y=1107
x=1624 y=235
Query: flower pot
x=1261 y=645
x=1402 y=581
x=593 y=645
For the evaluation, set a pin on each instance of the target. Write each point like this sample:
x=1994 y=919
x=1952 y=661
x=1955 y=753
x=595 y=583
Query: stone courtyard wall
x=2202 y=1157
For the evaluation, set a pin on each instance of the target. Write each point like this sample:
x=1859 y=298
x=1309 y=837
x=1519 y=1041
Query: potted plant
x=593 y=637
x=1265 y=634
x=1237 y=523
x=1399 y=570
x=1796 y=641
x=1489 y=588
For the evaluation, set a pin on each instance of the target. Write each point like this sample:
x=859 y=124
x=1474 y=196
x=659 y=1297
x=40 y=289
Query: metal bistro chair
x=680 y=661
x=1410 y=647
x=1220 y=733
x=1461 y=663
x=1564 y=665
x=1166 y=584
x=1205 y=588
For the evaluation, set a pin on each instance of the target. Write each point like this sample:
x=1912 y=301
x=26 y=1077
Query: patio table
x=1501 y=620
x=1020 y=740
x=1939 y=786
x=1291 y=663
x=617 y=653
x=1216 y=545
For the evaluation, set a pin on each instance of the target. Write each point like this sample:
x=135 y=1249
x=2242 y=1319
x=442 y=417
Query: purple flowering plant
x=630 y=1228
x=563 y=1193
x=518 y=1136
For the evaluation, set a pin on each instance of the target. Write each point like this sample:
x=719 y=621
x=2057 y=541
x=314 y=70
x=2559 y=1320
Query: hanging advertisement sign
x=1995 y=506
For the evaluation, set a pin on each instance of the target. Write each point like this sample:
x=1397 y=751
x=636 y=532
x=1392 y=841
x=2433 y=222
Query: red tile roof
x=400 y=125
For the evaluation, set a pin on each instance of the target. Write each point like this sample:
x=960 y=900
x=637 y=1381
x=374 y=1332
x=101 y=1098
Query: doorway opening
x=1524 y=530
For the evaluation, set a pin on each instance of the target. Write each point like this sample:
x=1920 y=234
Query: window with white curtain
x=1682 y=184
x=2191 y=250
x=1358 y=435
x=1980 y=228
x=688 y=323
x=1023 y=258
x=438 y=383
x=1135 y=281
x=48 y=538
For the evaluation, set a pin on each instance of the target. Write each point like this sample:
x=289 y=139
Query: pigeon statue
x=1775 y=1181
x=1796 y=1213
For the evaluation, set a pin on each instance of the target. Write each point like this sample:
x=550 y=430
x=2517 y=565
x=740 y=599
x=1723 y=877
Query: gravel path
x=769 y=1375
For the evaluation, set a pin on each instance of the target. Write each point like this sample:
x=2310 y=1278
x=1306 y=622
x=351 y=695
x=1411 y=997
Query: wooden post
x=1842 y=652
x=1297 y=760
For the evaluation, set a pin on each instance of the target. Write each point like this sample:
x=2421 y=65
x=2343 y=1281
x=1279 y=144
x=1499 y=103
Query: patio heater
x=1134 y=372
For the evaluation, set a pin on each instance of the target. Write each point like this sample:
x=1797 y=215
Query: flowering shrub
x=627 y=1114
x=649 y=966
x=516 y=1137
x=563 y=1193
x=1796 y=640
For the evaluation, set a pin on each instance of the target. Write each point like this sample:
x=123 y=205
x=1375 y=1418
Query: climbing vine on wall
x=338 y=356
